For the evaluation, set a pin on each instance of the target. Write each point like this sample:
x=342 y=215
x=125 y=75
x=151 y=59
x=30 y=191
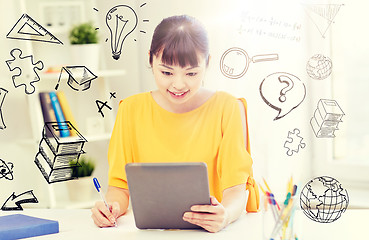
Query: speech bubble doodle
x=282 y=92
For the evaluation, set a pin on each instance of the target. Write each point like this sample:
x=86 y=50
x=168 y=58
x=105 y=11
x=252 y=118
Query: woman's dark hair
x=182 y=39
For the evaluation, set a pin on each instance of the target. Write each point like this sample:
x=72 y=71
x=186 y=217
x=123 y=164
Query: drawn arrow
x=14 y=202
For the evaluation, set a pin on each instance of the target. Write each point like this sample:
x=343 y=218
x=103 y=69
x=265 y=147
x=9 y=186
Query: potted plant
x=84 y=44
x=81 y=187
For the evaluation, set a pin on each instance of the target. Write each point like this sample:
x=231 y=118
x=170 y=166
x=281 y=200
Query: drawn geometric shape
x=322 y=15
x=28 y=29
x=27 y=74
x=319 y=67
x=323 y=199
x=79 y=77
x=3 y=93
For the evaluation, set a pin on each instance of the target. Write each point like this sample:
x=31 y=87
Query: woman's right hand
x=104 y=217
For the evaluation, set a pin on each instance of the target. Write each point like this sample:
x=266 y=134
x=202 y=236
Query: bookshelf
x=37 y=122
x=94 y=128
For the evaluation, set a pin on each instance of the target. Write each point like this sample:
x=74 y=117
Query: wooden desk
x=77 y=224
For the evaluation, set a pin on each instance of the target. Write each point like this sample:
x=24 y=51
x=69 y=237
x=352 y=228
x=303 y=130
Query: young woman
x=182 y=121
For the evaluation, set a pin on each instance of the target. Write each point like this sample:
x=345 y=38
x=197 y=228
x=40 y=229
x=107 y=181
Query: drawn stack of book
x=326 y=118
x=56 y=154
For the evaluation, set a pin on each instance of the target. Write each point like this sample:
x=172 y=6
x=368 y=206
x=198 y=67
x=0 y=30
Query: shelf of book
x=96 y=129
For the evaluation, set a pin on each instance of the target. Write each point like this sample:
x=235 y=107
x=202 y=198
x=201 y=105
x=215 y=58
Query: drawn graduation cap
x=79 y=77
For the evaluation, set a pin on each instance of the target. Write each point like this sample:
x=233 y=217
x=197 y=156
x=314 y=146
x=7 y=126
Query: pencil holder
x=278 y=218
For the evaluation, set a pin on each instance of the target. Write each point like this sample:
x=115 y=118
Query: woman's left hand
x=212 y=218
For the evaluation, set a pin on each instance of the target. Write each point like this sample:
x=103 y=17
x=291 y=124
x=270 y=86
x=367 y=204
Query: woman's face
x=178 y=85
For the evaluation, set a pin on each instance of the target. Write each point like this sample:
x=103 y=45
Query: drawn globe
x=319 y=67
x=323 y=199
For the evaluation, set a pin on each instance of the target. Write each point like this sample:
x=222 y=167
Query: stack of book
x=326 y=118
x=55 y=108
x=56 y=154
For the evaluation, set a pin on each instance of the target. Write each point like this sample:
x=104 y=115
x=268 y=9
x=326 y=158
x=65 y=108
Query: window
x=347 y=156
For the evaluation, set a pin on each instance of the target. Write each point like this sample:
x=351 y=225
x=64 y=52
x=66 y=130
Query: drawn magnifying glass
x=235 y=62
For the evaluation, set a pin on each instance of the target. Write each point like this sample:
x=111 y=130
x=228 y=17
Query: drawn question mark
x=289 y=82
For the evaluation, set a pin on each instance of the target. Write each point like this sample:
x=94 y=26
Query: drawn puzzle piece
x=24 y=69
x=294 y=142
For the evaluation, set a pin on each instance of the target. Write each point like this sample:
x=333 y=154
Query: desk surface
x=77 y=224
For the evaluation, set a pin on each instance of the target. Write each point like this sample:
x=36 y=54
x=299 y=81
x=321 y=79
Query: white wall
x=223 y=20
x=258 y=27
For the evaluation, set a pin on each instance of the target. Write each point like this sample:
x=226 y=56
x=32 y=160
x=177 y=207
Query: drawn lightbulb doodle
x=121 y=21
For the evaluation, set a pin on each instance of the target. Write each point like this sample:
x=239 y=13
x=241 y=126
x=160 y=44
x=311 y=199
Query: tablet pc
x=162 y=192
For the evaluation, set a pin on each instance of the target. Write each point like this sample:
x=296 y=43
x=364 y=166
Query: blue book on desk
x=64 y=132
x=19 y=226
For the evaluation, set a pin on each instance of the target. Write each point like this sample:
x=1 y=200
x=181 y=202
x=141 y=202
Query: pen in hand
x=97 y=186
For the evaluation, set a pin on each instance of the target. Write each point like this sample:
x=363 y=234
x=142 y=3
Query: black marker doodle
x=101 y=105
x=323 y=199
x=327 y=116
x=28 y=29
x=27 y=74
x=322 y=15
x=79 y=77
x=3 y=93
x=14 y=201
x=6 y=170
x=235 y=62
x=294 y=142
x=319 y=67
x=55 y=154
x=121 y=21
x=112 y=95
x=275 y=88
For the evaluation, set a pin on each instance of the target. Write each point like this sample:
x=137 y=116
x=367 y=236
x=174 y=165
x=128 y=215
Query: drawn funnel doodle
x=3 y=93
x=14 y=201
x=56 y=154
x=28 y=29
x=235 y=62
x=79 y=77
x=282 y=92
x=121 y=21
x=327 y=116
x=322 y=15
x=6 y=170
x=26 y=75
